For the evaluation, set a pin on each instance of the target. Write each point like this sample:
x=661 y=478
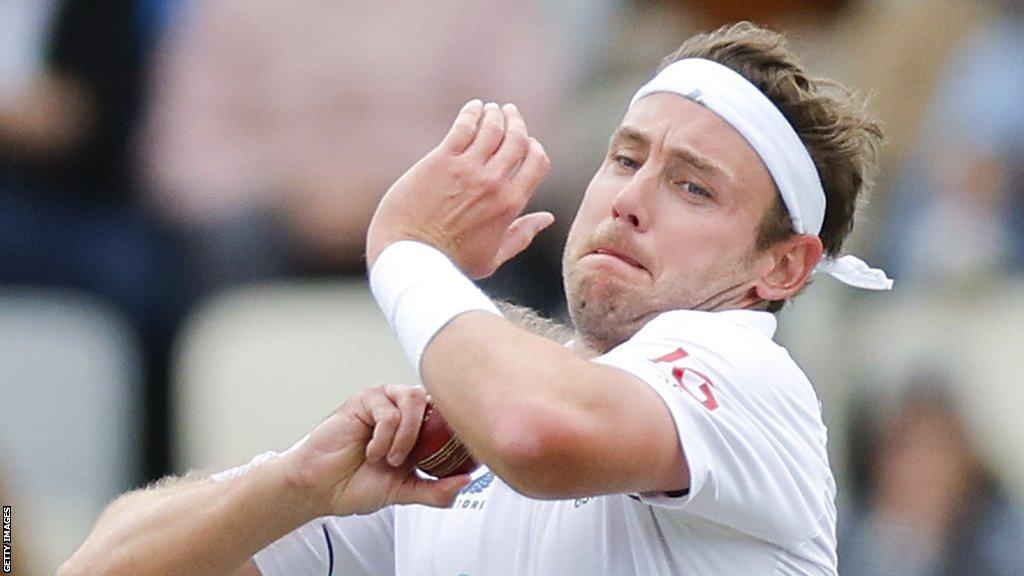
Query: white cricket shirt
x=761 y=500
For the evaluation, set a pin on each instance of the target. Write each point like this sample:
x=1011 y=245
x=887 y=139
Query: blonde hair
x=841 y=138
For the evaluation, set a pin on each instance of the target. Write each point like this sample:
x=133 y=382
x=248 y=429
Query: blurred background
x=185 y=186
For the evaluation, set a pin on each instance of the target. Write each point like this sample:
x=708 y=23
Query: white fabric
x=420 y=291
x=761 y=502
x=360 y=545
x=853 y=271
x=729 y=95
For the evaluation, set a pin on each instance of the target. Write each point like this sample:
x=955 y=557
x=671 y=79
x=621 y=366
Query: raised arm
x=202 y=526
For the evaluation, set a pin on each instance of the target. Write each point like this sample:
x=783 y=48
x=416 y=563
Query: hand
x=355 y=461
x=465 y=195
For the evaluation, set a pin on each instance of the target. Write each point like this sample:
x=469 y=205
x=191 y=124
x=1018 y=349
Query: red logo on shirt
x=689 y=380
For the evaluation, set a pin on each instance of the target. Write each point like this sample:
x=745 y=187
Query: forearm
x=550 y=422
x=521 y=405
x=200 y=527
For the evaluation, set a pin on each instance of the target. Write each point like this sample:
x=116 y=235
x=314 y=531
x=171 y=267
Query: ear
x=792 y=261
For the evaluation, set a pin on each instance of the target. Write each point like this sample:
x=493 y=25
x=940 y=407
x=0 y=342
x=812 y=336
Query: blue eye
x=696 y=189
x=627 y=162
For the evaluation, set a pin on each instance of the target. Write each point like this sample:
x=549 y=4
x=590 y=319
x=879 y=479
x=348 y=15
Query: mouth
x=620 y=256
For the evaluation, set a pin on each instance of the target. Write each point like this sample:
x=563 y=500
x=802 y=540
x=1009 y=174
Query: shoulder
x=734 y=350
x=734 y=341
x=747 y=417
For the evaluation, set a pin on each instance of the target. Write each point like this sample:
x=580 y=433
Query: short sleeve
x=350 y=545
x=751 y=457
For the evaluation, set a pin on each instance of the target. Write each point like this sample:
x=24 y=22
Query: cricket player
x=672 y=436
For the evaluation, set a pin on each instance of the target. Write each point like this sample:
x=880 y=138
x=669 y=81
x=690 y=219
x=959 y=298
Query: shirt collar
x=759 y=321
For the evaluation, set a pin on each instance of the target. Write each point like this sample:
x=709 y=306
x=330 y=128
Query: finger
x=386 y=418
x=411 y=402
x=489 y=134
x=464 y=128
x=520 y=234
x=534 y=169
x=438 y=493
x=515 y=144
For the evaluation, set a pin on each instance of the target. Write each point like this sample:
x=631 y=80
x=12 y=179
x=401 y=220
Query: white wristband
x=420 y=290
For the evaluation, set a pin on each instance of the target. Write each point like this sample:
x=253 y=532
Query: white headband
x=753 y=115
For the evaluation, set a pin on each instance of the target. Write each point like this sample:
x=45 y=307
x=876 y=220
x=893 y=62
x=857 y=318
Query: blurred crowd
x=157 y=153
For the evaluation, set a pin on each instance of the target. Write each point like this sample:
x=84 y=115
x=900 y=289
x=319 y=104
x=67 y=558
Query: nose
x=630 y=205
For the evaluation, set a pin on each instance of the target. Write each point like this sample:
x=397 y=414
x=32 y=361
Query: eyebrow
x=688 y=155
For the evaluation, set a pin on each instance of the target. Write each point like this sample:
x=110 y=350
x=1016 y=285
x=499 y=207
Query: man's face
x=669 y=221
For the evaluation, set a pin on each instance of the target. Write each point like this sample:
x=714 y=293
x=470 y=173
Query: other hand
x=356 y=461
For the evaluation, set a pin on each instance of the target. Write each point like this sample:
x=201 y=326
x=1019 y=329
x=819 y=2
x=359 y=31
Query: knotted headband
x=741 y=104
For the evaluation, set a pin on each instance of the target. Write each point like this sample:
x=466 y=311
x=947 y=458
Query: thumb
x=520 y=234
x=439 y=493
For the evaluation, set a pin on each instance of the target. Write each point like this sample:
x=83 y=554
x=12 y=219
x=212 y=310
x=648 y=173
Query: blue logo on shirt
x=479 y=485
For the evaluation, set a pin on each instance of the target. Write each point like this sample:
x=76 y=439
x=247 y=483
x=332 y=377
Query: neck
x=590 y=346
x=739 y=297
x=587 y=347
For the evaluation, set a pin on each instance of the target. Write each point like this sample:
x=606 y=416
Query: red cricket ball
x=438 y=451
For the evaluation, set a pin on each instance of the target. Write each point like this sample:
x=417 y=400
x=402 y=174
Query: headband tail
x=853 y=271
